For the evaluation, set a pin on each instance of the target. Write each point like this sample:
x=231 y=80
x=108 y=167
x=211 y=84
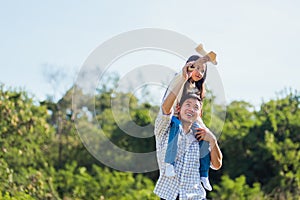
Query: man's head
x=190 y=108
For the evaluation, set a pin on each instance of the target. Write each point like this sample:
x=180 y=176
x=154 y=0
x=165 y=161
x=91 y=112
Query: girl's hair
x=199 y=84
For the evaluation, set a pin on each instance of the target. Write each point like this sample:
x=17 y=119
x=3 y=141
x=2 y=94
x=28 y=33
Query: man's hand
x=186 y=73
x=206 y=135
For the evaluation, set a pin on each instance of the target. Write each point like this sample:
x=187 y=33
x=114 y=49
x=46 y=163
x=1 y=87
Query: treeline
x=42 y=156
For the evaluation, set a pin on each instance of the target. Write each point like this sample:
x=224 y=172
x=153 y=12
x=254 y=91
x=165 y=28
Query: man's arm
x=177 y=78
x=175 y=88
x=216 y=156
x=163 y=119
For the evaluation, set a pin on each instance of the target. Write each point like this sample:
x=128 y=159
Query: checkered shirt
x=186 y=183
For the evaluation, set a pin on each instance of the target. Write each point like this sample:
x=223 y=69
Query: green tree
x=25 y=138
x=236 y=189
x=77 y=183
x=281 y=141
x=263 y=145
x=42 y=156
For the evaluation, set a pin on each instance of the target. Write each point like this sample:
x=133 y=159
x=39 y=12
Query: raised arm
x=175 y=87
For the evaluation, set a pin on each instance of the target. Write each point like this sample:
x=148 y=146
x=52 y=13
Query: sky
x=257 y=42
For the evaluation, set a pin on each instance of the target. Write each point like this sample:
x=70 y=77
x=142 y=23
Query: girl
x=194 y=85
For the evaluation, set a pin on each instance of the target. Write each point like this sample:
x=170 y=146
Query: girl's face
x=199 y=71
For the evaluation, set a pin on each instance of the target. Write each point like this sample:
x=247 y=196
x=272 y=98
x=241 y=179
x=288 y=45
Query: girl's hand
x=202 y=60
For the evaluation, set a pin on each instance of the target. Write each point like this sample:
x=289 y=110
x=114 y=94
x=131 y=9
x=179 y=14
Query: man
x=186 y=183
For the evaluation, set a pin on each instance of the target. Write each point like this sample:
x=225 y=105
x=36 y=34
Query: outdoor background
x=44 y=44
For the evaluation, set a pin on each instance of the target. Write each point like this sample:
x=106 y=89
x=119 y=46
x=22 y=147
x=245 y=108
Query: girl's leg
x=204 y=164
x=204 y=158
x=172 y=146
x=172 y=142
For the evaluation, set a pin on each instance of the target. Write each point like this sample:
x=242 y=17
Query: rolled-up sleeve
x=162 y=123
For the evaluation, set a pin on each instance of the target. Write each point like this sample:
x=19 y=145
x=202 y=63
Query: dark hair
x=199 y=84
x=189 y=96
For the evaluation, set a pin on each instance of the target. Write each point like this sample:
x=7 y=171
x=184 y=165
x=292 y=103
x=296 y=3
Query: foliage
x=42 y=157
x=236 y=189
x=101 y=183
x=264 y=146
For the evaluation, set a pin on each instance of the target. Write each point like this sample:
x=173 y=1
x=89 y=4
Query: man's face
x=190 y=110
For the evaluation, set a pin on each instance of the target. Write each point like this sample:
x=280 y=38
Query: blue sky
x=257 y=42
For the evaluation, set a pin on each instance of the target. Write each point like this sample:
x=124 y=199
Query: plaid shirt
x=186 y=183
